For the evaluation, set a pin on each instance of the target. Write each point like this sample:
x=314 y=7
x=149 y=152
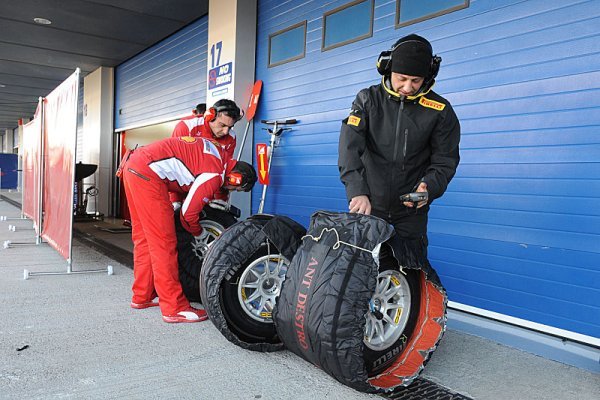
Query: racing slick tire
x=191 y=252
x=248 y=297
x=392 y=315
x=242 y=276
x=349 y=307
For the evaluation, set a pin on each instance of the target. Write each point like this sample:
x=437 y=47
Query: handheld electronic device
x=415 y=197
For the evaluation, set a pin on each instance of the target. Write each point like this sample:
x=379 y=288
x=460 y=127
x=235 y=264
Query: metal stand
x=13 y=228
x=108 y=269
x=5 y=218
x=8 y=243
x=275 y=133
x=27 y=273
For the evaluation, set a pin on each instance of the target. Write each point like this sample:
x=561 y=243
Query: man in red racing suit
x=180 y=165
x=215 y=124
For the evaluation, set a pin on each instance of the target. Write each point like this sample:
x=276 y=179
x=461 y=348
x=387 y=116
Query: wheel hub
x=270 y=285
x=260 y=284
x=389 y=309
x=376 y=308
x=210 y=232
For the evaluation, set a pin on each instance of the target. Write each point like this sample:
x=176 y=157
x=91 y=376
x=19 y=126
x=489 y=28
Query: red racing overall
x=197 y=126
x=181 y=165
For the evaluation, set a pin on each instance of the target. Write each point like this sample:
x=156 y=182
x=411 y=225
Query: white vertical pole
x=270 y=152
x=42 y=149
x=70 y=260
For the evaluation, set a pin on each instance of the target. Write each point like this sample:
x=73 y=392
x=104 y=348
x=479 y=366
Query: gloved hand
x=176 y=205
x=200 y=235
x=219 y=204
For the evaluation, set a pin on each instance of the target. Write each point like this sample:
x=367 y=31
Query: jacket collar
x=385 y=83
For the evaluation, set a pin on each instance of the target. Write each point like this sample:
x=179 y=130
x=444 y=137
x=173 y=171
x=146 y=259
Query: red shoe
x=187 y=315
x=141 y=306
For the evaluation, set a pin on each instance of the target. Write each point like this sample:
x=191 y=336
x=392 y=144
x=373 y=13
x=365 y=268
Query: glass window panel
x=349 y=24
x=410 y=11
x=287 y=45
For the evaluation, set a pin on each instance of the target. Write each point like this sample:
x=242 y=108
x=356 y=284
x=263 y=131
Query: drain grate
x=423 y=389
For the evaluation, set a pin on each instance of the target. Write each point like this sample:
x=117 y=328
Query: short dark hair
x=229 y=108
x=200 y=109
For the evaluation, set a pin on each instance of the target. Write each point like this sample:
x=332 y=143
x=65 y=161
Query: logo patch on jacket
x=210 y=148
x=188 y=139
x=431 y=104
x=353 y=120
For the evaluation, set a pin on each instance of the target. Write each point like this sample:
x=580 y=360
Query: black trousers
x=410 y=229
x=409 y=225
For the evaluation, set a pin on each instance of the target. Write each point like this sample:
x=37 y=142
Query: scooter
x=275 y=133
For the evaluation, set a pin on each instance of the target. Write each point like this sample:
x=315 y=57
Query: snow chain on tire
x=225 y=262
x=328 y=292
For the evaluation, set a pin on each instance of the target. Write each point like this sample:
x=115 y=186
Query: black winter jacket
x=388 y=146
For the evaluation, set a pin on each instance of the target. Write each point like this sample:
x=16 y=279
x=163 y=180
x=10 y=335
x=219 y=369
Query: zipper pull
x=404 y=149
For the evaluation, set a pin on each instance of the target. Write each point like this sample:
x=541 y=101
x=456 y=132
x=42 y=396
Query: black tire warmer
x=189 y=263
x=320 y=313
x=230 y=251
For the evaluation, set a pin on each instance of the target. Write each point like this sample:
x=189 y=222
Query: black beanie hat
x=412 y=56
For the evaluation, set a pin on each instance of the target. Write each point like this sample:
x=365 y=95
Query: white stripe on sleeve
x=200 y=180
x=172 y=169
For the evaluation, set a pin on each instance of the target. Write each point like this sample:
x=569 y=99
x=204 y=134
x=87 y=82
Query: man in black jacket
x=400 y=137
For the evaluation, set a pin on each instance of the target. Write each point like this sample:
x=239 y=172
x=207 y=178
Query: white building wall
x=98 y=101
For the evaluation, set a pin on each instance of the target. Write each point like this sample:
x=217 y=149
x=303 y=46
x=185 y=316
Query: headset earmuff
x=434 y=68
x=384 y=62
x=234 y=179
x=436 y=61
x=212 y=113
x=384 y=66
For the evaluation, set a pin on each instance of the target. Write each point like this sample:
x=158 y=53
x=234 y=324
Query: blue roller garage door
x=518 y=231
x=165 y=81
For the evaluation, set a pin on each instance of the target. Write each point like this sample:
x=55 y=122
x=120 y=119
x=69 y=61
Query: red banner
x=60 y=133
x=262 y=159
x=32 y=168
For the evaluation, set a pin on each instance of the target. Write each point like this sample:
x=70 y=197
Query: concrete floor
x=84 y=342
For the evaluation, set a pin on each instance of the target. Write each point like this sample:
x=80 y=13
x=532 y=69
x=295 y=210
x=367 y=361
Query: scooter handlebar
x=280 y=122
